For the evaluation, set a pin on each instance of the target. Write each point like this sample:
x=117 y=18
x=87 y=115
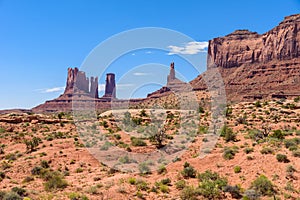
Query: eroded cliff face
x=245 y=47
x=255 y=66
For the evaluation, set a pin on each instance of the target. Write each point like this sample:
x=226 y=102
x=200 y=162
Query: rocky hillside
x=255 y=66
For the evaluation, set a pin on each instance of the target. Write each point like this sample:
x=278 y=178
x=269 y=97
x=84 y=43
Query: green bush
x=248 y=150
x=188 y=193
x=12 y=196
x=278 y=134
x=229 y=153
x=211 y=185
x=164 y=188
x=237 y=169
x=44 y=164
x=228 y=134
x=137 y=142
x=263 y=186
x=188 y=171
x=132 y=180
x=55 y=183
x=235 y=191
x=76 y=196
x=282 y=158
x=166 y=181
x=162 y=169
x=144 y=168
x=20 y=191
x=180 y=184
x=267 y=150
x=296 y=153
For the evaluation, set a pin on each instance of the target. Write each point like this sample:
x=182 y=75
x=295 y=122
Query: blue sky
x=39 y=40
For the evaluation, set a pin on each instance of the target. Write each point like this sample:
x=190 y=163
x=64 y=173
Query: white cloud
x=133 y=54
x=140 y=74
x=148 y=52
x=123 y=86
x=190 y=48
x=101 y=87
x=51 y=90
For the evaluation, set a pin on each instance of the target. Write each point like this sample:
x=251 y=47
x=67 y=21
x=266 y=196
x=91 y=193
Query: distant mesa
x=253 y=66
x=78 y=83
x=83 y=89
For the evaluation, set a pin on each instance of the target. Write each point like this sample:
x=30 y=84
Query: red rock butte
x=252 y=66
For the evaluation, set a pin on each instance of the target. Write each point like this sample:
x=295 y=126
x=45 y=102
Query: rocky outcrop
x=255 y=66
x=245 y=47
x=173 y=85
x=110 y=86
x=77 y=82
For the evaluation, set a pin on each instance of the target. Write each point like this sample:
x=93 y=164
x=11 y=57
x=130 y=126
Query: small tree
x=32 y=144
x=159 y=137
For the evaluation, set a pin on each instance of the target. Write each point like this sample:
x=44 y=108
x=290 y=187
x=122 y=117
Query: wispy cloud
x=133 y=54
x=101 y=87
x=190 y=48
x=148 y=52
x=123 y=86
x=141 y=74
x=51 y=90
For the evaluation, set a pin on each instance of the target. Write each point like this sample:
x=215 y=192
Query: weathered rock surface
x=257 y=66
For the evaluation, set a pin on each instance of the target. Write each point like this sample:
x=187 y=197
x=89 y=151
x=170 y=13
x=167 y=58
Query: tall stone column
x=110 y=86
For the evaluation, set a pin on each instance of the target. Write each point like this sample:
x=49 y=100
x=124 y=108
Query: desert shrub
x=297 y=99
x=32 y=144
x=20 y=191
x=263 y=186
x=188 y=193
x=257 y=104
x=278 y=134
x=237 y=169
x=79 y=170
x=242 y=119
x=211 y=184
x=132 y=180
x=125 y=159
x=143 y=113
x=12 y=196
x=2 y=176
x=290 y=143
x=290 y=170
x=248 y=150
x=188 y=171
x=28 y=179
x=76 y=196
x=228 y=134
x=144 y=168
x=282 y=158
x=36 y=170
x=55 y=183
x=166 y=181
x=267 y=150
x=164 y=188
x=180 y=184
x=235 y=191
x=162 y=169
x=142 y=185
x=229 y=153
x=117 y=136
x=2 y=130
x=106 y=146
x=256 y=135
x=137 y=142
x=296 y=153
x=44 y=164
x=201 y=110
x=251 y=195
